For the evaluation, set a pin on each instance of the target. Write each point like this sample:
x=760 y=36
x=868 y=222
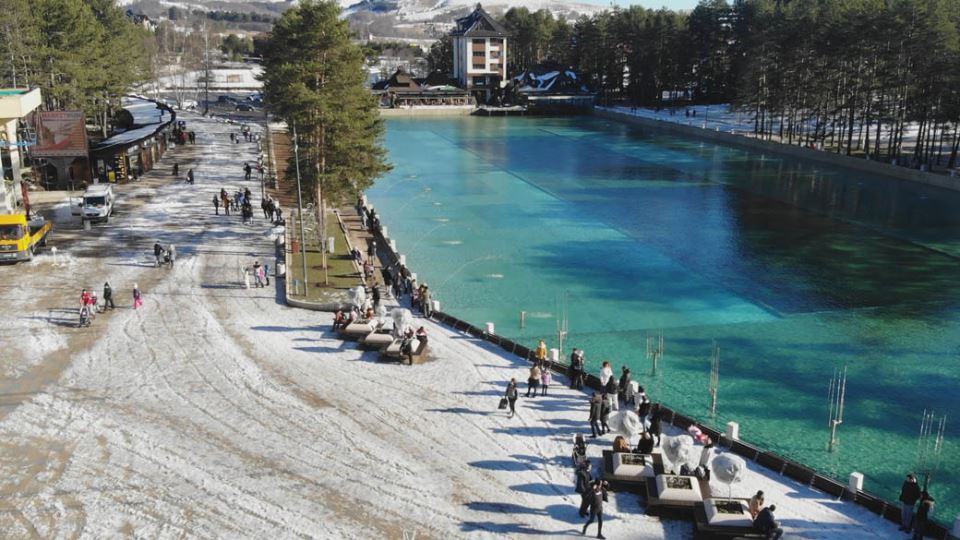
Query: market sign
x=61 y=134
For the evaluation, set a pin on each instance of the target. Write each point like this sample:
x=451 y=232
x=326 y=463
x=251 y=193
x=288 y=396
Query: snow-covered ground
x=217 y=412
x=725 y=118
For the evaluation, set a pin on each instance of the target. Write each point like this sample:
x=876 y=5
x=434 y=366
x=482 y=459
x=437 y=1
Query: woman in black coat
x=655 y=428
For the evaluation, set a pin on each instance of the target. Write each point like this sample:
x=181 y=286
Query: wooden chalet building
x=479 y=53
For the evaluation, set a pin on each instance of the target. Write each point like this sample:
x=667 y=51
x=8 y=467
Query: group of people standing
x=245 y=133
x=764 y=521
x=261 y=278
x=914 y=517
x=164 y=254
x=89 y=304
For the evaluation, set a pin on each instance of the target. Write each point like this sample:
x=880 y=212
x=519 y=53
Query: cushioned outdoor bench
x=629 y=472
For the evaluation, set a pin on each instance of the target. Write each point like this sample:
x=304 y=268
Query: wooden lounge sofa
x=629 y=472
x=675 y=496
x=710 y=524
x=358 y=330
x=377 y=340
x=392 y=352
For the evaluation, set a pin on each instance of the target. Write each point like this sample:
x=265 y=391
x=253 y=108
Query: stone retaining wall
x=819 y=156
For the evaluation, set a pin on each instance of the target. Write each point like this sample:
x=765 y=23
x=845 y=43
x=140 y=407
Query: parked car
x=245 y=107
x=226 y=99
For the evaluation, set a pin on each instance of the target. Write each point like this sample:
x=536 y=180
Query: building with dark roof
x=479 y=52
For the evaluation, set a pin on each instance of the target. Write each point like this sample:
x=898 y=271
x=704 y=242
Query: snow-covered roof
x=479 y=24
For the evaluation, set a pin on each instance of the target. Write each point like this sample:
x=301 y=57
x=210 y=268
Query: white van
x=97 y=203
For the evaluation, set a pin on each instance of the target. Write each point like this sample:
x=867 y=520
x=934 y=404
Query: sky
x=653 y=4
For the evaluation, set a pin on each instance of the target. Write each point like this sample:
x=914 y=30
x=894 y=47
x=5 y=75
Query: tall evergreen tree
x=314 y=78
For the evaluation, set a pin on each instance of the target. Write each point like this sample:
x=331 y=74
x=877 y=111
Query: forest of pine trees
x=853 y=76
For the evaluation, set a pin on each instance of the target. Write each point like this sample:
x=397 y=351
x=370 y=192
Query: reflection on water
x=794 y=269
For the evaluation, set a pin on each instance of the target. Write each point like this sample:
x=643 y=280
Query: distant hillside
x=416 y=19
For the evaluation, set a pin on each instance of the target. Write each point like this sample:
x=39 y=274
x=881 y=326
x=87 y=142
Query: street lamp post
x=303 y=243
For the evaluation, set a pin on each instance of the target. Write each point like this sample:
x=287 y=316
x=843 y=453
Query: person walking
x=596 y=409
x=597 y=497
x=606 y=372
x=173 y=255
x=923 y=516
x=157 y=252
x=375 y=293
x=512 y=394
x=176 y=169
x=574 y=368
x=216 y=205
x=533 y=381
x=246 y=171
x=545 y=379
x=426 y=302
x=625 y=387
x=541 y=353
x=755 y=505
x=108 y=296
x=909 y=495
x=604 y=412
x=584 y=480
x=655 y=428
x=137 y=299
x=766 y=524
x=256 y=274
x=611 y=391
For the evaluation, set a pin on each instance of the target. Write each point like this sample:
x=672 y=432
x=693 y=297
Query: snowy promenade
x=218 y=412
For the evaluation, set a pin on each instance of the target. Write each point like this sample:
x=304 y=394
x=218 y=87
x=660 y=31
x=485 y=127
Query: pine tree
x=314 y=78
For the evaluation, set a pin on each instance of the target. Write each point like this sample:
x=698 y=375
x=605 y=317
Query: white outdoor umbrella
x=402 y=319
x=679 y=449
x=728 y=468
x=624 y=422
x=358 y=295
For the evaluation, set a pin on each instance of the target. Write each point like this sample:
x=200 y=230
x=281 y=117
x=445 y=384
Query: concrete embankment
x=819 y=156
x=411 y=112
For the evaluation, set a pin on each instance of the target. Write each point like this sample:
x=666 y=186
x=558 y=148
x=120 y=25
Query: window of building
x=479 y=81
x=494 y=54
x=479 y=66
x=479 y=53
x=494 y=67
x=481 y=42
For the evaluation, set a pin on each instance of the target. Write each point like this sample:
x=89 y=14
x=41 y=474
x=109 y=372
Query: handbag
x=503 y=403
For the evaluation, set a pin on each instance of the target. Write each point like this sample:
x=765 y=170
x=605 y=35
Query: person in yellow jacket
x=541 y=352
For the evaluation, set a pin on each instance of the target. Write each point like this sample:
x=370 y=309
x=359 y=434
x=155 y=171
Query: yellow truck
x=20 y=237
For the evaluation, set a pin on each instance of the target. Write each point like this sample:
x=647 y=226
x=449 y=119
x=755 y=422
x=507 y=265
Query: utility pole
x=836 y=397
x=714 y=378
x=206 y=68
x=563 y=322
x=930 y=445
x=303 y=243
x=655 y=350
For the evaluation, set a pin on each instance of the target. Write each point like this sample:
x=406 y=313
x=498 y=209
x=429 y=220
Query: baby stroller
x=85 y=316
x=579 y=454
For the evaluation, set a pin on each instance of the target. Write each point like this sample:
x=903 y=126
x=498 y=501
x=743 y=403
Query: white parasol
x=358 y=295
x=679 y=449
x=624 y=422
x=728 y=468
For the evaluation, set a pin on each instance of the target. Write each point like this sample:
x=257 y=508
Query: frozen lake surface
x=794 y=269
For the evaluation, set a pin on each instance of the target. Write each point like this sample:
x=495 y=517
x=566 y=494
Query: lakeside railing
x=765 y=458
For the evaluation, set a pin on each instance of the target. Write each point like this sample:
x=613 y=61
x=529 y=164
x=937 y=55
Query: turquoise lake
x=793 y=268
